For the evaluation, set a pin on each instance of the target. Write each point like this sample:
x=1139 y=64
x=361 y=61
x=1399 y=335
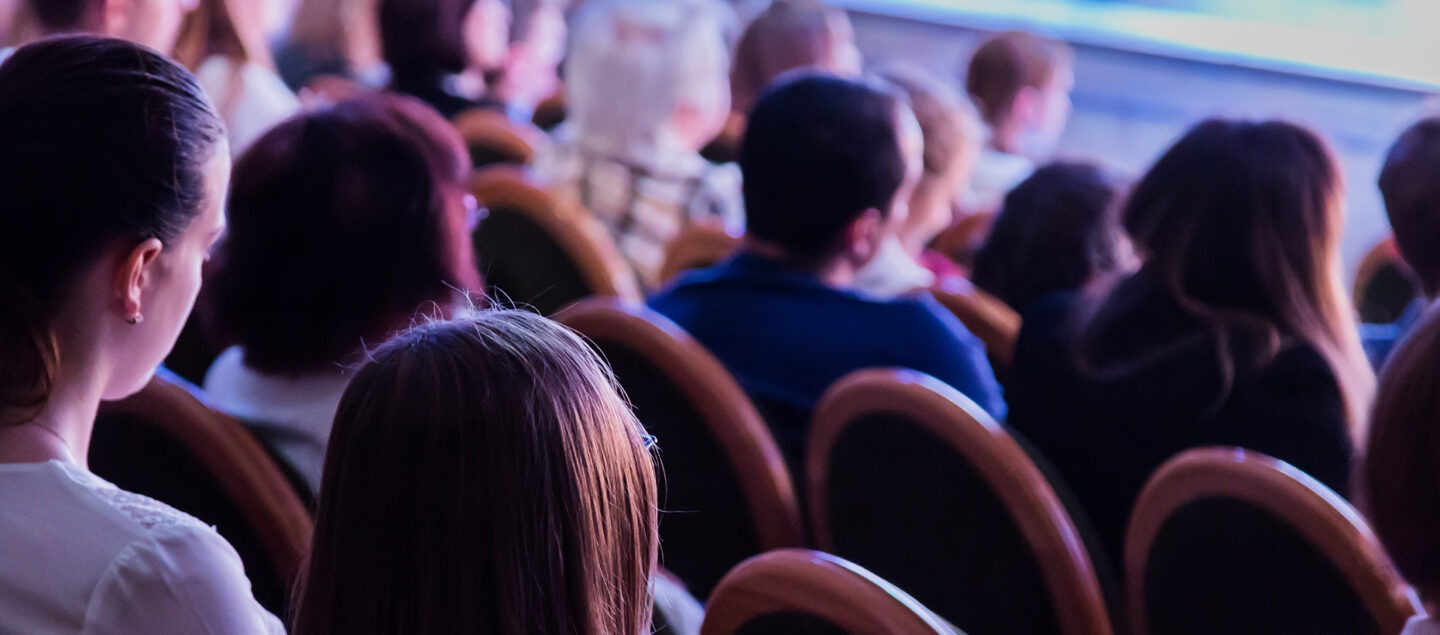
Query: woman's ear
x=136 y=267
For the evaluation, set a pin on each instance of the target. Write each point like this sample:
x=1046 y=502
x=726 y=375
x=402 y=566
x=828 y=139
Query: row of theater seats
x=905 y=477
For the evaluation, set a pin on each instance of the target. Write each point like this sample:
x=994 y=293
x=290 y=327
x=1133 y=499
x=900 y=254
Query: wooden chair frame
x=819 y=584
x=227 y=450
x=726 y=411
x=990 y=319
x=492 y=129
x=1058 y=546
x=1322 y=517
x=576 y=232
x=696 y=246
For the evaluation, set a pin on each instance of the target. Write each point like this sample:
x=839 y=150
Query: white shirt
x=251 y=102
x=79 y=555
x=295 y=412
x=996 y=173
x=892 y=273
x=1421 y=625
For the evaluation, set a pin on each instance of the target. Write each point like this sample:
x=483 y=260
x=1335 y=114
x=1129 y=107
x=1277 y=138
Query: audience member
x=430 y=44
x=344 y=222
x=1410 y=185
x=530 y=73
x=1235 y=330
x=223 y=42
x=1399 y=484
x=484 y=476
x=829 y=165
x=113 y=175
x=1021 y=84
x=154 y=23
x=340 y=38
x=952 y=137
x=646 y=90
x=1057 y=231
x=787 y=35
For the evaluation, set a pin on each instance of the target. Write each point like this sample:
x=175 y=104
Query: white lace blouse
x=79 y=555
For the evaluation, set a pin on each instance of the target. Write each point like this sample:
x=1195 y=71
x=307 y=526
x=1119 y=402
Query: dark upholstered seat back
x=913 y=482
x=724 y=492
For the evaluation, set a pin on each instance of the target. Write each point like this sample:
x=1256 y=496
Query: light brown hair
x=1009 y=62
x=483 y=476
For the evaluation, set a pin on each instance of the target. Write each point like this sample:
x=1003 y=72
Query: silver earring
x=135 y=319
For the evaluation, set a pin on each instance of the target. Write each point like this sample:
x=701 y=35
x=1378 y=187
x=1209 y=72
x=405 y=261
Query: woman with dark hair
x=1235 y=330
x=1056 y=232
x=112 y=180
x=1400 y=484
x=429 y=44
x=484 y=476
x=344 y=222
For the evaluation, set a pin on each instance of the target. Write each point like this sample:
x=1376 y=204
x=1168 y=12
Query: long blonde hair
x=1239 y=224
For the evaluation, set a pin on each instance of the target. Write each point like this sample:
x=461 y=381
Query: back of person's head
x=648 y=74
x=1399 y=482
x=424 y=36
x=484 y=476
x=952 y=135
x=1239 y=225
x=66 y=16
x=791 y=34
x=1021 y=80
x=343 y=223
x=1410 y=185
x=819 y=152
x=107 y=145
x=1056 y=231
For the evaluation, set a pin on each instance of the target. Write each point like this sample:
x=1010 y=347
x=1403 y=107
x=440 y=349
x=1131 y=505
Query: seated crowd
x=477 y=467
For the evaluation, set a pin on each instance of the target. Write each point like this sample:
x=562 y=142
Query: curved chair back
x=797 y=591
x=909 y=479
x=725 y=492
x=696 y=247
x=164 y=443
x=1384 y=284
x=1224 y=540
x=990 y=319
x=533 y=251
x=493 y=138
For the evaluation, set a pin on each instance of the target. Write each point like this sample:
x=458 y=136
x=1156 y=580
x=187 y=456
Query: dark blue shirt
x=786 y=336
x=1380 y=339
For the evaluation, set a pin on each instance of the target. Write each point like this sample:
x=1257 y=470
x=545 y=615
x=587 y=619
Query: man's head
x=1021 y=83
x=828 y=166
x=154 y=23
x=1410 y=185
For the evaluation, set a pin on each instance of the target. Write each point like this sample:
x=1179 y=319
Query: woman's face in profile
x=171 y=283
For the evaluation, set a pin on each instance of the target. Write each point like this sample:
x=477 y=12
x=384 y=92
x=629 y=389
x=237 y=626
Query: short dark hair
x=343 y=223
x=58 y=16
x=483 y=475
x=424 y=36
x=103 y=141
x=1410 y=185
x=1057 y=229
x=818 y=152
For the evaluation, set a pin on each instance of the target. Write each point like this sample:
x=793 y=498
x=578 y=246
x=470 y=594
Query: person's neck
x=60 y=431
x=833 y=272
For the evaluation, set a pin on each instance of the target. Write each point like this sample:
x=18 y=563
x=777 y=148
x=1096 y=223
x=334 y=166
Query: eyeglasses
x=649 y=441
x=474 y=212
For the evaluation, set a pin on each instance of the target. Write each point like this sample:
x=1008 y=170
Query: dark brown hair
x=1400 y=475
x=483 y=476
x=1239 y=225
x=789 y=34
x=1410 y=184
x=104 y=141
x=1057 y=230
x=343 y=223
x=1007 y=63
x=419 y=37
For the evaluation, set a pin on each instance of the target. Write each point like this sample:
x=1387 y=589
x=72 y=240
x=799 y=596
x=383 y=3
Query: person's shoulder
x=135 y=515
